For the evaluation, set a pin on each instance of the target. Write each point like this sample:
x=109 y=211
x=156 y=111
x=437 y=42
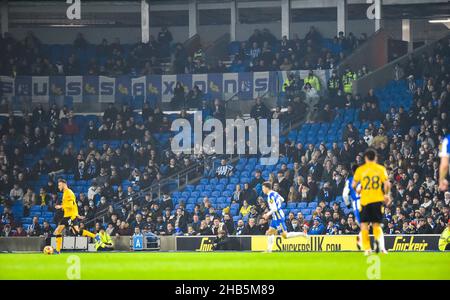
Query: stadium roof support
x=342 y=16
x=193 y=17
x=4 y=16
x=406 y=33
x=286 y=18
x=145 y=25
x=378 y=14
x=234 y=17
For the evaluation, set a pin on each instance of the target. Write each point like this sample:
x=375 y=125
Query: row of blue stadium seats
x=41 y=219
x=27 y=225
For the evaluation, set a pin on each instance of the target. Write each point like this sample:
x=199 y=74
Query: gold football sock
x=365 y=239
x=378 y=235
x=87 y=233
x=58 y=243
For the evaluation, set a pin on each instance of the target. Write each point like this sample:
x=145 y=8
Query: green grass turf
x=233 y=265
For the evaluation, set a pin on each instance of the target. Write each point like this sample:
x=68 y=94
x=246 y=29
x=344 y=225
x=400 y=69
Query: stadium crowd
x=261 y=52
x=406 y=141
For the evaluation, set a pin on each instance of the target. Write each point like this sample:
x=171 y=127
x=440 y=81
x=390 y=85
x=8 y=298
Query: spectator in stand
x=224 y=170
x=165 y=38
x=259 y=110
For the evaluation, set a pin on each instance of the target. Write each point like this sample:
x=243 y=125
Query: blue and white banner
x=74 y=88
x=153 y=88
x=260 y=83
x=230 y=84
x=41 y=89
x=138 y=86
x=167 y=88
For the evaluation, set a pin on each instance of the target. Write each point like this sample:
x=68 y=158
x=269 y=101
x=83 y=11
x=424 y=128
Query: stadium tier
x=118 y=159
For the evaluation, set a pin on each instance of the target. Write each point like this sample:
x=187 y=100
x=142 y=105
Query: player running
x=374 y=189
x=443 y=167
x=349 y=191
x=274 y=201
x=70 y=208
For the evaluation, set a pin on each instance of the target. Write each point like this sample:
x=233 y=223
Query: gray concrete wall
x=385 y=74
x=13 y=244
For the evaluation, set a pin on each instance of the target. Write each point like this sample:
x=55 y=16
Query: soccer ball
x=48 y=250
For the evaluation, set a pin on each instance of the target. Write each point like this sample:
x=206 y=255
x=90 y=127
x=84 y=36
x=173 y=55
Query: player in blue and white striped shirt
x=348 y=194
x=278 y=222
x=444 y=154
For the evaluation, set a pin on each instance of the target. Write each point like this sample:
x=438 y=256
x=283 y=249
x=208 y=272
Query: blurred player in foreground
x=274 y=201
x=70 y=209
x=349 y=191
x=374 y=189
x=443 y=167
x=444 y=239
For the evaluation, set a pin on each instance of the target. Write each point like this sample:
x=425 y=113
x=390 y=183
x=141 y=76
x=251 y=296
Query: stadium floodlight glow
x=439 y=21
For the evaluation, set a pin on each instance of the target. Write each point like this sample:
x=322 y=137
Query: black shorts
x=68 y=222
x=372 y=212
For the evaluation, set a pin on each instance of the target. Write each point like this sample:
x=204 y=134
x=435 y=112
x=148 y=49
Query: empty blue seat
x=227 y=193
x=312 y=204
x=305 y=211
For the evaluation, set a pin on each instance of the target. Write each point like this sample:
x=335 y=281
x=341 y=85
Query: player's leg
x=288 y=235
x=365 y=237
x=271 y=232
x=358 y=221
x=379 y=237
x=377 y=218
x=58 y=234
x=84 y=232
x=365 y=219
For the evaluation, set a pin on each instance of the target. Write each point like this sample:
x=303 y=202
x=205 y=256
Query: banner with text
x=336 y=243
x=104 y=89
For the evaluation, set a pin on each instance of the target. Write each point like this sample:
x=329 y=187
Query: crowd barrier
x=314 y=243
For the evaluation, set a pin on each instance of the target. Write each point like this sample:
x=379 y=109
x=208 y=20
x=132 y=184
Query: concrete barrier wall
x=381 y=76
x=373 y=53
x=168 y=243
x=314 y=243
x=13 y=244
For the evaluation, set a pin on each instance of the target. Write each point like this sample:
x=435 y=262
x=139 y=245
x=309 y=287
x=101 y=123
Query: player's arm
x=443 y=171
x=443 y=166
x=345 y=193
x=386 y=188
x=272 y=208
x=271 y=211
x=356 y=179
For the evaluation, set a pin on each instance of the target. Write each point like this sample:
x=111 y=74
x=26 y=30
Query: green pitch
x=233 y=265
